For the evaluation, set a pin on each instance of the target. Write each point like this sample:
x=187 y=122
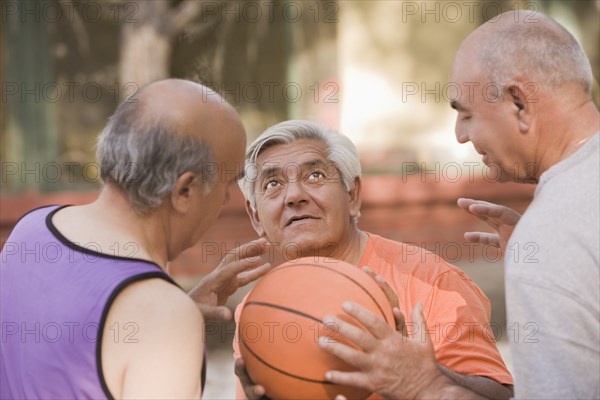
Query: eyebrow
x=269 y=171
x=273 y=170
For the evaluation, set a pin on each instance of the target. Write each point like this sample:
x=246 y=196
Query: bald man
x=97 y=316
x=525 y=104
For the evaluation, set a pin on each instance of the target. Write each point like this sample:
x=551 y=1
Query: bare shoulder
x=159 y=325
x=151 y=298
x=157 y=304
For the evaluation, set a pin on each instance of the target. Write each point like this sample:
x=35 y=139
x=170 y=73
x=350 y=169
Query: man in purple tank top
x=90 y=312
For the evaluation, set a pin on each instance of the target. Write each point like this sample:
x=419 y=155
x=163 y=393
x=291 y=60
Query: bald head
x=527 y=46
x=184 y=107
x=165 y=129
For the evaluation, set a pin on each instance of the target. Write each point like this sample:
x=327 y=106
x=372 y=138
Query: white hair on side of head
x=547 y=52
x=340 y=151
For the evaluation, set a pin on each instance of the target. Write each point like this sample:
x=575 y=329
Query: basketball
x=281 y=322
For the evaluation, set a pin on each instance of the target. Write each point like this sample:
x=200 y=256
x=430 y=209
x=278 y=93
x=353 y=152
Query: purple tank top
x=55 y=296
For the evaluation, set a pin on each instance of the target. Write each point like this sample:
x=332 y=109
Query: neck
x=354 y=248
x=569 y=131
x=350 y=251
x=147 y=232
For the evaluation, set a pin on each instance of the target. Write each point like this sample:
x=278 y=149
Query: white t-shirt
x=553 y=283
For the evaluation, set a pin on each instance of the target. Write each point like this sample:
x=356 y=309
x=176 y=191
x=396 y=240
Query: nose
x=461 y=134
x=295 y=193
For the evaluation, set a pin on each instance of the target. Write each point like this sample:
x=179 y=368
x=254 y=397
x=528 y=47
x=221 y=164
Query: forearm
x=486 y=387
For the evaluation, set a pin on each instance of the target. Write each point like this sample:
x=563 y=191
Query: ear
x=520 y=96
x=355 y=200
x=256 y=224
x=186 y=188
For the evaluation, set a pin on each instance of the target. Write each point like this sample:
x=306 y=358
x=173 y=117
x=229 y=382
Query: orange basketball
x=281 y=323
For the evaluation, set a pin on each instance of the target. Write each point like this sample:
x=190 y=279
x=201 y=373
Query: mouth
x=298 y=218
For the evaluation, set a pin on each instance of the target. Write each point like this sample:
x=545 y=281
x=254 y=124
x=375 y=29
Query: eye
x=316 y=176
x=271 y=183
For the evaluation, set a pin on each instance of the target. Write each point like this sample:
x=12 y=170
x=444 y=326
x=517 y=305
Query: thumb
x=419 y=319
x=400 y=321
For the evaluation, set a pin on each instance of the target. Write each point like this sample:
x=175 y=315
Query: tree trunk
x=145 y=46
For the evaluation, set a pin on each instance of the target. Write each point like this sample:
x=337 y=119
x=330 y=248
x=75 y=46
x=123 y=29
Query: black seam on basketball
x=262 y=303
x=345 y=276
x=323 y=382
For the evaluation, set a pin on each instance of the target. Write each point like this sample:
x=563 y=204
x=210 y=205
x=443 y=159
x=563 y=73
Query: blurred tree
x=146 y=42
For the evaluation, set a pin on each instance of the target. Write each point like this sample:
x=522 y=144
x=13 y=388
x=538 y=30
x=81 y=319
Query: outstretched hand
x=387 y=361
x=502 y=219
x=238 y=268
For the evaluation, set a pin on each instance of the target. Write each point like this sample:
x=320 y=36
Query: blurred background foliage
x=375 y=70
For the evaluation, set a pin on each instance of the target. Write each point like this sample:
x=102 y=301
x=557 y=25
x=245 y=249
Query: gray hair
x=142 y=155
x=547 y=51
x=340 y=151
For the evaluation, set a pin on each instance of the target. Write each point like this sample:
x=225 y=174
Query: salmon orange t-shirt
x=457 y=312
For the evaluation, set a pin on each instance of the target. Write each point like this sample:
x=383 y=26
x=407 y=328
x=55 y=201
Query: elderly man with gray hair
x=541 y=126
x=303 y=193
